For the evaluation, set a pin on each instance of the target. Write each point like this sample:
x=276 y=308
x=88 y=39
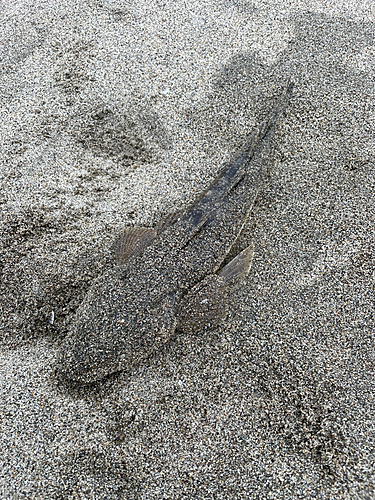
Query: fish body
x=172 y=279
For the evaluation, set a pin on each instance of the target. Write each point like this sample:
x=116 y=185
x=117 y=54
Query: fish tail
x=268 y=126
x=237 y=171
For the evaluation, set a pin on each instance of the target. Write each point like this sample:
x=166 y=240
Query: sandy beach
x=117 y=113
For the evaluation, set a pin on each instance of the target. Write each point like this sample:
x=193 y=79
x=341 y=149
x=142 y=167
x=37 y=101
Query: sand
x=118 y=113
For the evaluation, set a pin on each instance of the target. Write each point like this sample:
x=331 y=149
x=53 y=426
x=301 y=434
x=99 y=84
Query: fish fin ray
x=132 y=242
x=238 y=267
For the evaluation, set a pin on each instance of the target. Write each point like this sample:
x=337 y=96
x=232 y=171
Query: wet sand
x=118 y=113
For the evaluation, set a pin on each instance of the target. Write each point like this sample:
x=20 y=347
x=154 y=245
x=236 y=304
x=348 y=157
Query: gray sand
x=116 y=113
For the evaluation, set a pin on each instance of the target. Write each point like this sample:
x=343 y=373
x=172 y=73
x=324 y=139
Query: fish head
x=105 y=340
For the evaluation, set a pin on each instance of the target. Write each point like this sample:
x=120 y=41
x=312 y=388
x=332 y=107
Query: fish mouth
x=76 y=373
x=79 y=365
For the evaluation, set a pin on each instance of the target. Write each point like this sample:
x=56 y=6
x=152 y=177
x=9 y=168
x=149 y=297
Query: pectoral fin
x=205 y=303
x=132 y=242
x=239 y=267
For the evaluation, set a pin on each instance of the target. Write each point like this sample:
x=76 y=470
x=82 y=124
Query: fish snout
x=79 y=362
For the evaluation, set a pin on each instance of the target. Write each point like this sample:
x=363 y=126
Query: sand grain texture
x=118 y=113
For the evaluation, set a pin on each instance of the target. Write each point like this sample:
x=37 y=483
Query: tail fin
x=236 y=169
x=269 y=125
x=195 y=216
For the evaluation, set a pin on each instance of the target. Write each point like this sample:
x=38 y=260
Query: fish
x=174 y=279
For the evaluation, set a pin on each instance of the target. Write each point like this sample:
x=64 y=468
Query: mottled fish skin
x=135 y=307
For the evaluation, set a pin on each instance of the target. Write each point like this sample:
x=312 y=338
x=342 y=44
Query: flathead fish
x=174 y=278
